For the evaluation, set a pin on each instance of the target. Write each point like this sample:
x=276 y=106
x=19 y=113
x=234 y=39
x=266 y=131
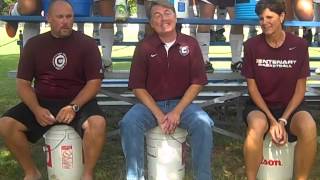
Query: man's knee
x=95 y=124
x=29 y=7
x=204 y=122
x=126 y=122
x=9 y=125
x=304 y=10
x=133 y=116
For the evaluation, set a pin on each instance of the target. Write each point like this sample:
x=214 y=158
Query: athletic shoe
x=217 y=36
x=317 y=71
x=118 y=37
x=208 y=67
x=252 y=33
x=96 y=34
x=307 y=35
x=106 y=64
x=141 y=35
x=236 y=67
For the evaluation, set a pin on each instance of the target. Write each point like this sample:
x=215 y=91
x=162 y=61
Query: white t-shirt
x=168 y=45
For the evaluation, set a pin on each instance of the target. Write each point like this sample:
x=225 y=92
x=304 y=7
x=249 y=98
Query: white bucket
x=64 y=153
x=181 y=7
x=277 y=163
x=166 y=154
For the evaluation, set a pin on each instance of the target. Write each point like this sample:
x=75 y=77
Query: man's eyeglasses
x=166 y=14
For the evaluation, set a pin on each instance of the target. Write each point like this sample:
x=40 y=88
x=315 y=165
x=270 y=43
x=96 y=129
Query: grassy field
x=227 y=153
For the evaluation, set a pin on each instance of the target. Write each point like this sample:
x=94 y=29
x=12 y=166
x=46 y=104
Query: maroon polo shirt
x=276 y=70
x=167 y=76
x=60 y=67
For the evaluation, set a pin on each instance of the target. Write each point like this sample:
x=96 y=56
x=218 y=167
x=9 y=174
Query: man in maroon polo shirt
x=65 y=66
x=166 y=75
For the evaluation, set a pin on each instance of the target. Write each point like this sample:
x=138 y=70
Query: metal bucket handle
x=45 y=148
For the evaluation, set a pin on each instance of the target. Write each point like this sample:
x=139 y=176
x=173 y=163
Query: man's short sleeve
x=26 y=66
x=138 y=70
x=93 y=62
x=198 y=73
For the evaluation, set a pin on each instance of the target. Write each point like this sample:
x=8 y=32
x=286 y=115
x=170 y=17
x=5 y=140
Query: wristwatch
x=75 y=107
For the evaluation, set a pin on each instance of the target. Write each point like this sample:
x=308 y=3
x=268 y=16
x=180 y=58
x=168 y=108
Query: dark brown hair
x=277 y=6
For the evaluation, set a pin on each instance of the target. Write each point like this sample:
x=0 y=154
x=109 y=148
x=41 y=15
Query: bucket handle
x=45 y=149
x=187 y=144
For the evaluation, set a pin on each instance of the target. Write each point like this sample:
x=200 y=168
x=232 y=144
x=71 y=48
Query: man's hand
x=66 y=115
x=44 y=117
x=162 y=122
x=172 y=122
x=278 y=133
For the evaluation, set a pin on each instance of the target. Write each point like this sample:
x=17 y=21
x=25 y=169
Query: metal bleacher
x=225 y=89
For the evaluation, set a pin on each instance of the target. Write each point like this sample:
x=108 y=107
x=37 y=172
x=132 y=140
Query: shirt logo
x=184 y=50
x=59 y=61
x=276 y=63
x=292 y=48
x=153 y=55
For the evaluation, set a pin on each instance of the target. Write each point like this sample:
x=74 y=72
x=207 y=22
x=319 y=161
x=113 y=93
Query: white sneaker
x=141 y=35
x=118 y=37
x=96 y=34
x=317 y=71
x=252 y=33
x=106 y=64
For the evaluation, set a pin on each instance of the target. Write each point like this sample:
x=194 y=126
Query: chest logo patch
x=59 y=61
x=184 y=50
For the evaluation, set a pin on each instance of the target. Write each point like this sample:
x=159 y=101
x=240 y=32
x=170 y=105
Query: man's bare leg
x=93 y=141
x=16 y=141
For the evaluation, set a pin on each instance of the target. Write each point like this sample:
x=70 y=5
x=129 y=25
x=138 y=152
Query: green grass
x=8 y=86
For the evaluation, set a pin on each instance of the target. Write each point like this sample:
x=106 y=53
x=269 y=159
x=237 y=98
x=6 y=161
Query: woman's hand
x=278 y=133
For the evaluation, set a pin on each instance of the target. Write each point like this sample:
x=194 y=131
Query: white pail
x=277 y=163
x=181 y=7
x=166 y=154
x=64 y=153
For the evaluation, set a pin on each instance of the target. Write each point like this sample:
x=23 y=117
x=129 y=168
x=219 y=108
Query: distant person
x=141 y=13
x=166 y=75
x=59 y=75
x=303 y=10
x=276 y=66
x=207 y=10
x=24 y=8
x=106 y=33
